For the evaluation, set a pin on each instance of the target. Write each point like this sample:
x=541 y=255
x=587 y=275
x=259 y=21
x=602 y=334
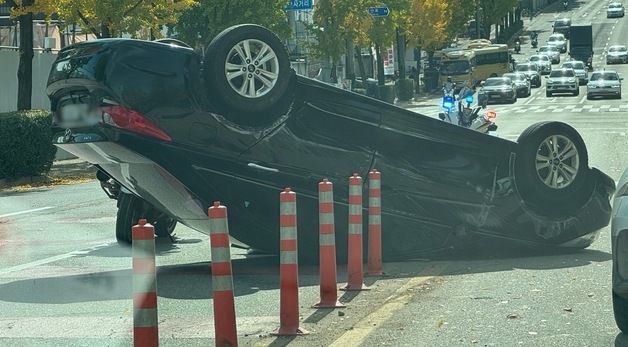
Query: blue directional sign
x=382 y=11
x=296 y=5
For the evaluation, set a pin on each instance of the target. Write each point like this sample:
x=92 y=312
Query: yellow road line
x=392 y=304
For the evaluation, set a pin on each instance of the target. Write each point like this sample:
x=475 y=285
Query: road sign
x=296 y=5
x=379 y=11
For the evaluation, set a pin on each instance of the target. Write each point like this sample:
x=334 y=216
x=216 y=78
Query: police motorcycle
x=468 y=117
x=517 y=47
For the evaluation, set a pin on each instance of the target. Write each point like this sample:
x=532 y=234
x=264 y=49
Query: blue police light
x=448 y=103
x=469 y=99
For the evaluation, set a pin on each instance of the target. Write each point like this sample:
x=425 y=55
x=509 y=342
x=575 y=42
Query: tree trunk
x=332 y=75
x=401 y=54
x=381 y=78
x=25 y=68
x=349 y=63
x=358 y=53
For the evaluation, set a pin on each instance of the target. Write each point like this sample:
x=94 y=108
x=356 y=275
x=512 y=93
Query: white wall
x=9 y=59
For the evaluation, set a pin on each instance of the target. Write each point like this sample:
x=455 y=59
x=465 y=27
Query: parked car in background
x=559 y=41
x=562 y=26
x=604 y=83
x=617 y=54
x=552 y=52
x=522 y=83
x=614 y=10
x=562 y=81
x=531 y=70
x=582 y=72
x=498 y=89
x=543 y=62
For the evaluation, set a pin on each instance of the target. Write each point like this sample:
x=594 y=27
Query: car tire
x=531 y=174
x=577 y=92
x=620 y=310
x=269 y=96
x=131 y=209
x=548 y=94
x=589 y=97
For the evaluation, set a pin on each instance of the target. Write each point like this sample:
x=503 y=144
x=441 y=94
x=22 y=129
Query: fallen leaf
x=474 y=341
x=512 y=316
x=440 y=323
x=533 y=333
x=340 y=313
x=590 y=295
x=568 y=309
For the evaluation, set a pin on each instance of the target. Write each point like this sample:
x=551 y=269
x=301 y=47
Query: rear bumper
x=604 y=92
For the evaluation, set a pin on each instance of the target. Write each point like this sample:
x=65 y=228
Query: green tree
x=200 y=23
x=493 y=11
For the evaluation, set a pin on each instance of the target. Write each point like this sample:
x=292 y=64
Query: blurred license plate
x=495 y=96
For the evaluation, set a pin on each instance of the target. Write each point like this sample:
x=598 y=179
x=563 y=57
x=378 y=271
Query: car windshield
x=494 y=82
x=562 y=73
x=604 y=76
x=548 y=49
x=525 y=67
x=614 y=6
x=536 y=58
x=555 y=38
x=575 y=66
x=562 y=23
x=515 y=77
x=618 y=49
x=455 y=67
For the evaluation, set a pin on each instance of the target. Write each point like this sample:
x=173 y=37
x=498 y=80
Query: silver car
x=582 y=71
x=522 y=83
x=559 y=41
x=552 y=52
x=562 y=81
x=604 y=83
x=531 y=71
x=543 y=62
x=617 y=54
x=615 y=9
x=497 y=89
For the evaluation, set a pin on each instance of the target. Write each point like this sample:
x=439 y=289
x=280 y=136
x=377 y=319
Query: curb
x=62 y=169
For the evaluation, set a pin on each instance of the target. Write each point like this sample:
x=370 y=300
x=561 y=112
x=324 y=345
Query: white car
x=580 y=68
x=615 y=9
x=604 y=83
x=552 y=52
x=543 y=62
x=559 y=41
x=562 y=81
x=617 y=54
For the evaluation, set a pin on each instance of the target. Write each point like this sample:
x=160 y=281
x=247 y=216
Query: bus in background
x=457 y=64
x=491 y=60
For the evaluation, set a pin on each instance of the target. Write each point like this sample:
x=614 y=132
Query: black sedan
x=170 y=135
x=497 y=89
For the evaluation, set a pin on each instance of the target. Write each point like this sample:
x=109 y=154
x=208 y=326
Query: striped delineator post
x=327 y=247
x=222 y=279
x=374 y=265
x=355 y=279
x=145 y=323
x=289 y=267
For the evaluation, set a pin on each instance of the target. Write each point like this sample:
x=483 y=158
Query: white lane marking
x=25 y=212
x=582 y=99
x=53 y=259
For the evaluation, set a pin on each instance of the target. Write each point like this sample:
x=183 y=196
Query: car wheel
x=131 y=209
x=577 y=92
x=551 y=168
x=248 y=76
x=548 y=94
x=620 y=309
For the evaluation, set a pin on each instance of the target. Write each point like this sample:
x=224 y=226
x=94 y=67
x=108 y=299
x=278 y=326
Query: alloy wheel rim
x=557 y=161
x=252 y=68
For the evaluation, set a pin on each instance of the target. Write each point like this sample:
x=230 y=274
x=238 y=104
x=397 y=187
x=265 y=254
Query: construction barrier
x=374 y=265
x=327 y=247
x=145 y=323
x=288 y=268
x=355 y=279
x=222 y=280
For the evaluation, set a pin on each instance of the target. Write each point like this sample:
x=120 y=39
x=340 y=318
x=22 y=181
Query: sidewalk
x=61 y=172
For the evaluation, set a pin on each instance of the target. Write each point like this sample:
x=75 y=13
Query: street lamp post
x=477 y=23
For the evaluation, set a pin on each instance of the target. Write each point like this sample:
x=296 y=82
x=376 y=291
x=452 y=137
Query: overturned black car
x=170 y=134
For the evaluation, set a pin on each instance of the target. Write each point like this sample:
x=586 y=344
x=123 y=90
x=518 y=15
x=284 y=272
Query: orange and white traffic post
x=374 y=265
x=145 y=322
x=222 y=279
x=327 y=247
x=289 y=267
x=354 y=267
